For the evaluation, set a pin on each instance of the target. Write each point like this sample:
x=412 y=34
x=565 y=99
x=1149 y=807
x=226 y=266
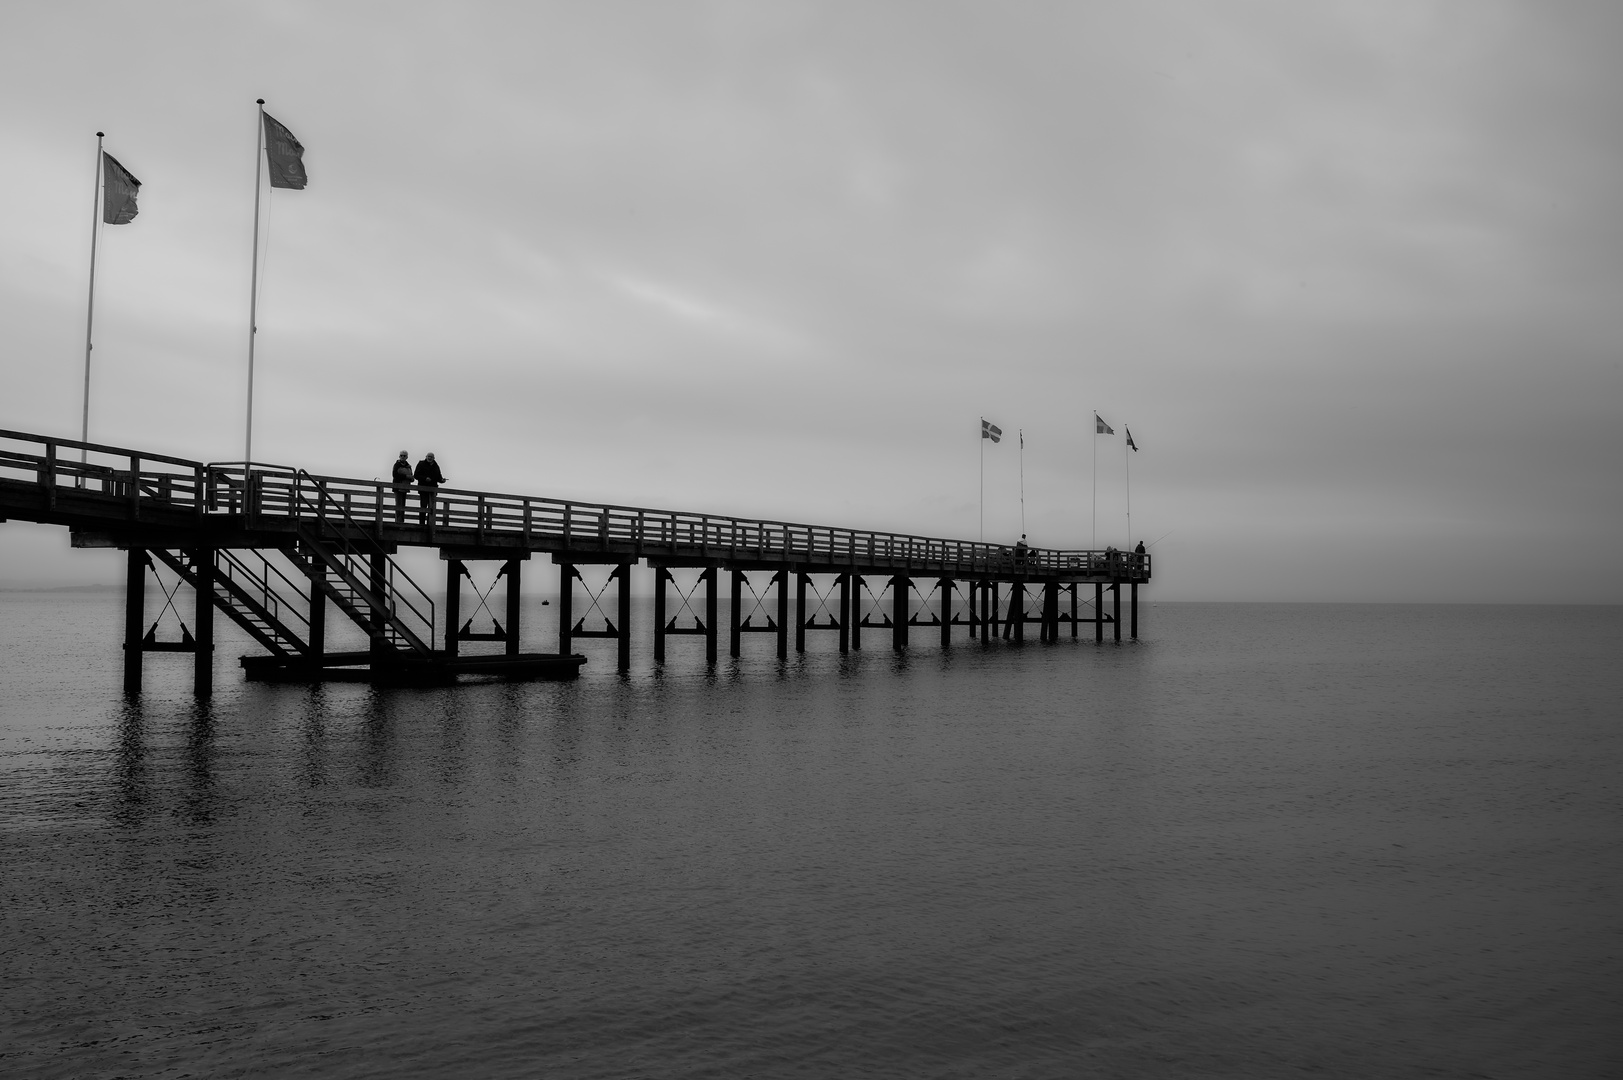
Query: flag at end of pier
x=1100 y=427
x=1130 y=441
x=118 y=192
x=284 y=155
x=991 y=431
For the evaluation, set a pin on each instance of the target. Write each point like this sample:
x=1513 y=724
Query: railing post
x=49 y=475
x=135 y=487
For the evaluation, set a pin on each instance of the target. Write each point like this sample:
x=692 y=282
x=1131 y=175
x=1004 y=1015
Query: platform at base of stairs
x=437 y=669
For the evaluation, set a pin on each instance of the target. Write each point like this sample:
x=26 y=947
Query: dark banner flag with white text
x=285 y=156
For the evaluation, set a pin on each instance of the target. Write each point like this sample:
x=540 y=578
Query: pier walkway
x=271 y=547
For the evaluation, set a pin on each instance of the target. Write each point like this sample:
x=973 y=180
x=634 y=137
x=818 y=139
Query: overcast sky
x=1351 y=272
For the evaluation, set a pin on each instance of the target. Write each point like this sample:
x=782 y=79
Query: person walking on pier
x=429 y=478
x=402 y=484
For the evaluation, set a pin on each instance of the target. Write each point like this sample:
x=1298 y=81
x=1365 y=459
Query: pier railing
x=130 y=483
x=126 y=480
x=564 y=526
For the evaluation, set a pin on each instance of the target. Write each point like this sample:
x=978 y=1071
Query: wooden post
x=974 y=608
x=454 y=570
x=203 y=659
x=1073 y=609
x=1135 y=610
x=379 y=584
x=800 y=612
x=845 y=612
x=514 y=603
x=1115 y=609
x=994 y=620
x=782 y=578
x=856 y=611
x=1098 y=611
x=661 y=576
x=737 y=612
x=946 y=587
x=566 y=596
x=135 y=581
x=318 y=609
x=712 y=632
x=899 y=588
x=623 y=572
x=1051 y=611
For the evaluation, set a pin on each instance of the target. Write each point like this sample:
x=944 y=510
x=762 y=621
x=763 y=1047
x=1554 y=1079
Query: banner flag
x=284 y=155
x=991 y=431
x=1100 y=427
x=1130 y=441
x=118 y=192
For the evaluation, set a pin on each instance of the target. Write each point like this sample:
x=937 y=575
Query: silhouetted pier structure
x=272 y=548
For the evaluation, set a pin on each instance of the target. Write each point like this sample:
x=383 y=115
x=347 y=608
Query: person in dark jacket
x=429 y=478
x=402 y=484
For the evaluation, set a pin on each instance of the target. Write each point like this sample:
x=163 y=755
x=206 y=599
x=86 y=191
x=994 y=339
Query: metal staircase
x=259 y=598
x=361 y=578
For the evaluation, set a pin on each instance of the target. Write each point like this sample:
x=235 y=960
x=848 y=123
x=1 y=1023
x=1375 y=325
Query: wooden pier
x=273 y=548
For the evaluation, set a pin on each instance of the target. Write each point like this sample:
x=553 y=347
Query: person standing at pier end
x=402 y=484
x=429 y=478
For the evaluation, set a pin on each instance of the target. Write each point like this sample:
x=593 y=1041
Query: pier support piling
x=1115 y=610
x=899 y=588
x=203 y=658
x=379 y=582
x=661 y=577
x=782 y=579
x=1134 y=601
x=566 y=614
x=711 y=630
x=623 y=596
x=1098 y=611
x=946 y=587
x=454 y=569
x=800 y=611
x=514 y=603
x=856 y=611
x=318 y=609
x=845 y=612
x=135 y=581
x=735 y=641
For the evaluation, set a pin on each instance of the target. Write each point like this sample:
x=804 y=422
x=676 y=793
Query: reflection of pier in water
x=273 y=548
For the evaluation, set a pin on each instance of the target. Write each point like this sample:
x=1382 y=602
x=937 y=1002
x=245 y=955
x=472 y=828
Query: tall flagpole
x=1022 y=483
x=253 y=295
x=90 y=304
x=1095 y=455
x=982 y=441
x=1127 y=467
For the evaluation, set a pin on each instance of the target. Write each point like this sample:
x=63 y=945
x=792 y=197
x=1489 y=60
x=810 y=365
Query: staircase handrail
x=345 y=539
x=270 y=599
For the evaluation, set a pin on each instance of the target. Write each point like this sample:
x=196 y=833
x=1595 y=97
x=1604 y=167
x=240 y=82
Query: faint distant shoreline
x=56 y=588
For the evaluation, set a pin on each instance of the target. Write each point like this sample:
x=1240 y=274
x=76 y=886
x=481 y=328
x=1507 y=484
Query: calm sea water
x=1266 y=840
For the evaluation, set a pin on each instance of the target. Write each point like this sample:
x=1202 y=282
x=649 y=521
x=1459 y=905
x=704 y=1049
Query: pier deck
x=270 y=546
